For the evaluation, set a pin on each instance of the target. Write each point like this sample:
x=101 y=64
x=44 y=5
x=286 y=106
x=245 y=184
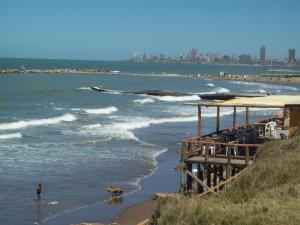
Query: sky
x=115 y=29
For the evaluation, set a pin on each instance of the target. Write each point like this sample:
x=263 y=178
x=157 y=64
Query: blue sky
x=114 y=29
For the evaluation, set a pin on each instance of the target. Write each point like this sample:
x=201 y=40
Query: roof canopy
x=270 y=101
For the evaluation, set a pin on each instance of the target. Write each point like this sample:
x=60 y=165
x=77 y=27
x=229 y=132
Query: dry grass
x=267 y=193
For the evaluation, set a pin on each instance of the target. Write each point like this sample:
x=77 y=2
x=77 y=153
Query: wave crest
x=210 y=85
x=107 y=110
x=10 y=136
x=178 y=98
x=37 y=122
x=144 y=101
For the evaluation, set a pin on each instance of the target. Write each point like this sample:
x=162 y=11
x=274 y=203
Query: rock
x=158 y=93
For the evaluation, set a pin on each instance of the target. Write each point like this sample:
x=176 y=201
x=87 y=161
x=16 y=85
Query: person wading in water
x=39 y=191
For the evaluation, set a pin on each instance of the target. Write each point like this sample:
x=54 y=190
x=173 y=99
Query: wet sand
x=137 y=213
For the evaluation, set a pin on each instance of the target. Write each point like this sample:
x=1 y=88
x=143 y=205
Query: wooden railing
x=212 y=148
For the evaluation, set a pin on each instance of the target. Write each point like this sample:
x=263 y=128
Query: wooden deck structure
x=209 y=161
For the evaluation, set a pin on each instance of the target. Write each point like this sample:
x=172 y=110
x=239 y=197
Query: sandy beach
x=137 y=213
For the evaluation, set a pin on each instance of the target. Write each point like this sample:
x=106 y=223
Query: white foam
x=58 y=109
x=262 y=91
x=108 y=132
x=265 y=85
x=221 y=90
x=210 y=84
x=10 y=136
x=84 y=88
x=52 y=203
x=144 y=101
x=37 y=122
x=258 y=91
x=107 y=110
x=92 y=126
x=243 y=83
x=113 y=92
x=178 y=98
x=122 y=127
x=215 y=91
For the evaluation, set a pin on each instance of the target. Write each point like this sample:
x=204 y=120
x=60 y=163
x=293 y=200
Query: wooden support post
x=206 y=152
x=233 y=171
x=208 y=175
x=247 y=156
x=218 y=119
x=199 y=123
x=181 y=168
x=228 y=166
x=200 y=176
x=234 y=118
x=221 y=175
x=247 y=117
x=189 y=148
x=215 y=176
x=189 y=179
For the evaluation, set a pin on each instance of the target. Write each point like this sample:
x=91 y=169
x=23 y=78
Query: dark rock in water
x=99 y=89
x=217 y=96
x=158 y=93
x=228 y=96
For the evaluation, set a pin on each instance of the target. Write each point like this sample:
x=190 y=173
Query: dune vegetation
x=267 y=192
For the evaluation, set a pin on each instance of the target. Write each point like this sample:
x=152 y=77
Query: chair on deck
x=233 y=149
x=211 y=147
x=270 y=129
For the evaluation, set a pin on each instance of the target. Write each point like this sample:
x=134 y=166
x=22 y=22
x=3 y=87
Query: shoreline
x=292 y=79
x=164 y=179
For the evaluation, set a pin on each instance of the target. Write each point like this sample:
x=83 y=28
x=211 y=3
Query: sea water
x=77 y=142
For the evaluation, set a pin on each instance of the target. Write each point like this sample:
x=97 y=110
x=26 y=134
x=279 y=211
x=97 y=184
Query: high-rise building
x=291 y=55
x=193 y=54
x=263 y=55
x=245 y=59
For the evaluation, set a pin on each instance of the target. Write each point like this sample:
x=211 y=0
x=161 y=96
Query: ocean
x=78 y=142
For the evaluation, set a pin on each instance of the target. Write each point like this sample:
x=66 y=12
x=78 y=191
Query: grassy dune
x=267 y=193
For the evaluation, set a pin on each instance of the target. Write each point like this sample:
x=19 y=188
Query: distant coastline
x=265 y=78
x=55 y=70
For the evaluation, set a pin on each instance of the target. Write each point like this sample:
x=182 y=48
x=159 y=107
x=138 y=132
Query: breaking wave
x=210 y=85
x=214 y=91
x=144 y=101
x=221 y=90
x=107 y=110
x=10 y=136
x=84 y=88
x=93 y=126
x=265 y=85
x=37 y=122
x=122 y=127
x=178 y=98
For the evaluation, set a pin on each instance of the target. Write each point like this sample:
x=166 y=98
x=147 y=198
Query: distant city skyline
x=196 y=57
x=113 y=30
x=261 y=54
